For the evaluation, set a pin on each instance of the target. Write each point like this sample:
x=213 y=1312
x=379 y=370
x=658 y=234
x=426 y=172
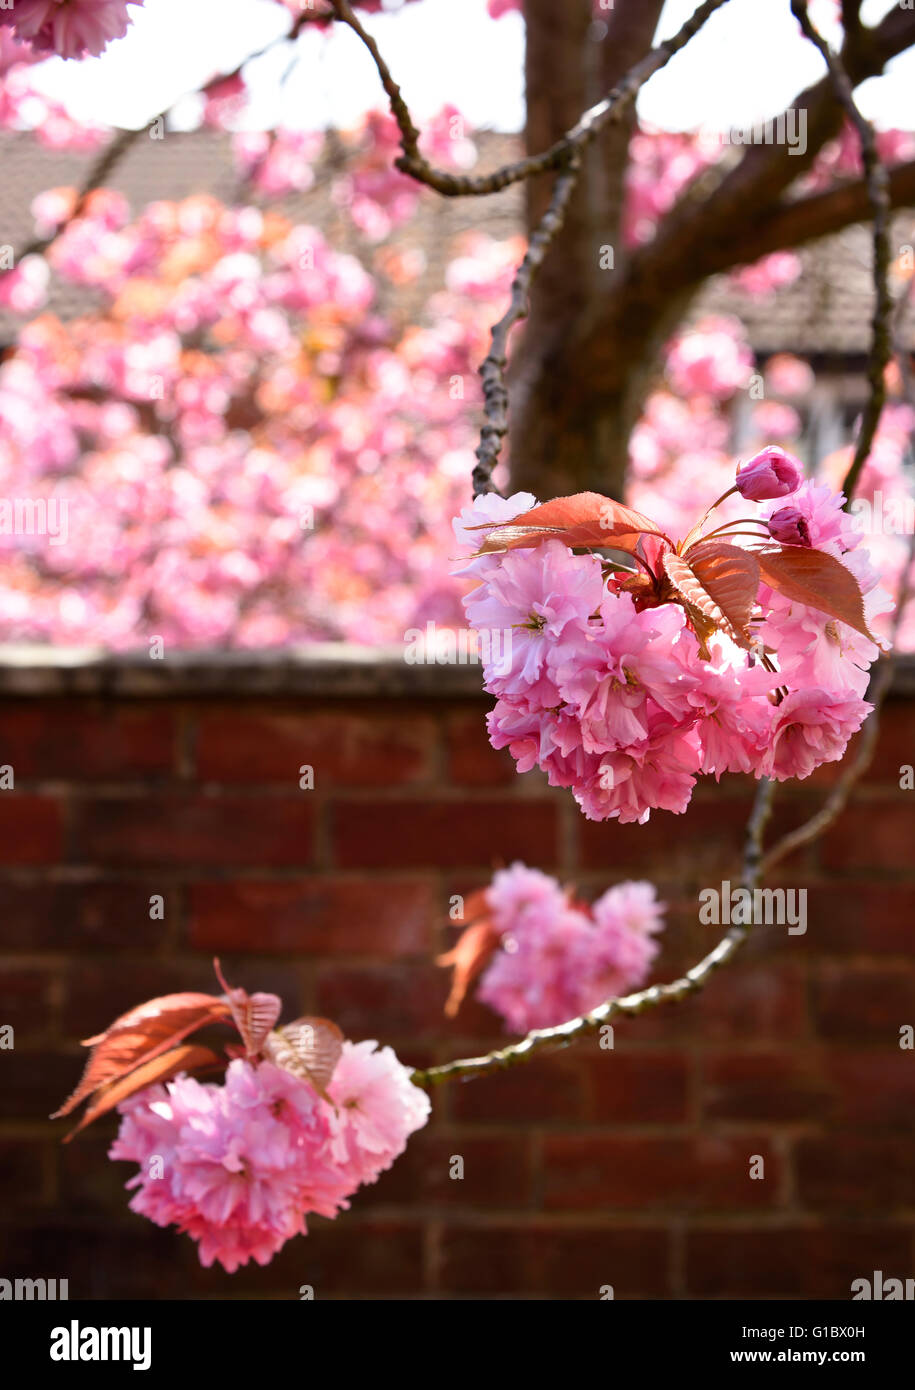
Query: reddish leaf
x=730 y=576
x=476 y=904
x=309 y=1048
x=187 y=1058
x=469 y=956
x=717 y=585
x=139 y=1036
x=586 y=519
x=253 y=1014
x=817 y=579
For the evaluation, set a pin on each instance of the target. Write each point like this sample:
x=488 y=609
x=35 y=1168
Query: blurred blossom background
x=246 y=372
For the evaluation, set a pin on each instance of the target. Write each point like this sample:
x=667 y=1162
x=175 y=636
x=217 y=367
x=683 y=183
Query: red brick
x=36 y=1083
x=751 y=999
x=387 y=1001
x=859 y=917
x=102 y=1262
x=22 y=1170
x=700 y=847
x=110 y=916
x=31 y=829
x=87 y=741
x=696 y=847
x=635 y=1087
x=792 y=1261
x=24 y=1001
x=760 y=1086
x=863 y=1002
x=895 y=744
x=874 y=1088
x=497 y=1173
x=329 y=916
x=635 y=1263
x=537 y=1260
x=345 y=1258
x=544 y=1090
x=599 y=1172
x=472 y=760
x=196 y=829
x=444 y=834
x=344 y=749
x=872 y=835
x=848 y=1171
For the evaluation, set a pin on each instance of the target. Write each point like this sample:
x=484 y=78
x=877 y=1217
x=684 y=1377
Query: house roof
x=826 y=312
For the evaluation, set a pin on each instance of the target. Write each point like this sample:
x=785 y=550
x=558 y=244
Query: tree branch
x=710 y=231
x=492 y=370
x=791 y=224
x=595 y=120
x=879 y=199
x=553 y=1039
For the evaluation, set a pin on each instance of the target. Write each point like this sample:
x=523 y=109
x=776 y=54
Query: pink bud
x=771 y=473
x=789 y=526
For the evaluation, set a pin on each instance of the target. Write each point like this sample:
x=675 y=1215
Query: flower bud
x=771 y=473
x=789 y=525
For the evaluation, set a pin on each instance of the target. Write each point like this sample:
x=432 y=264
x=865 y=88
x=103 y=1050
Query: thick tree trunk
x=571 y=414
x=598 y=319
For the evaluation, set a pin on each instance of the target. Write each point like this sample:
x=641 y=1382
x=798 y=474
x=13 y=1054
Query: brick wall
x=590 y=1167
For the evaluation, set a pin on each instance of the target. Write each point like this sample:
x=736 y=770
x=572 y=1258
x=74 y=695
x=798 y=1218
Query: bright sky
x=747 y=63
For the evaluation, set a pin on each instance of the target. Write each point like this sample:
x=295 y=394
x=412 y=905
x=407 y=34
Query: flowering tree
x=236 y=389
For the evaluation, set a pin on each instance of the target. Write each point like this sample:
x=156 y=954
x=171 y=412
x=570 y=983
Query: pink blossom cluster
x=616 y=703
x=70 y=28
x=229 y=433
x=239 y=1166
x=556 y=958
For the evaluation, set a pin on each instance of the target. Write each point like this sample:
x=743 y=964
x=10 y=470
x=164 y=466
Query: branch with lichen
x=612 y=108
x=878 y=195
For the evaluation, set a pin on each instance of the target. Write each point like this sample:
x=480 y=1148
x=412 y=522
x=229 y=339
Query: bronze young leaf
x=309 y=1048
x=188 y=1057
x=585 y=519
x=141 y=1035
x=817 y=579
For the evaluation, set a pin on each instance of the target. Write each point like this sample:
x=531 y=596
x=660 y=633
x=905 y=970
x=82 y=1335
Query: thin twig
x=881 y=681
x=492 y=369
x=596 y=119
x=554 y=1039
x=878 y=195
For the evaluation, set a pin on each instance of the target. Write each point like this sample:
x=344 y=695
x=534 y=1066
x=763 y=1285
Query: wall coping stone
x=324 y=670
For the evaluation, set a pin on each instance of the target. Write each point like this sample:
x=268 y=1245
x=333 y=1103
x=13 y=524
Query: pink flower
x=518 y=890
x=236 y=1166
x=773 y=472
x=789 y=526
x=811 y=727
x=239 y=1166
x=558 y=959
x=619 y=675
x=71 y=28
x=820 y=509
x=377 y=1109
x=532 y=598
x=658 y=774
x=24 y=289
